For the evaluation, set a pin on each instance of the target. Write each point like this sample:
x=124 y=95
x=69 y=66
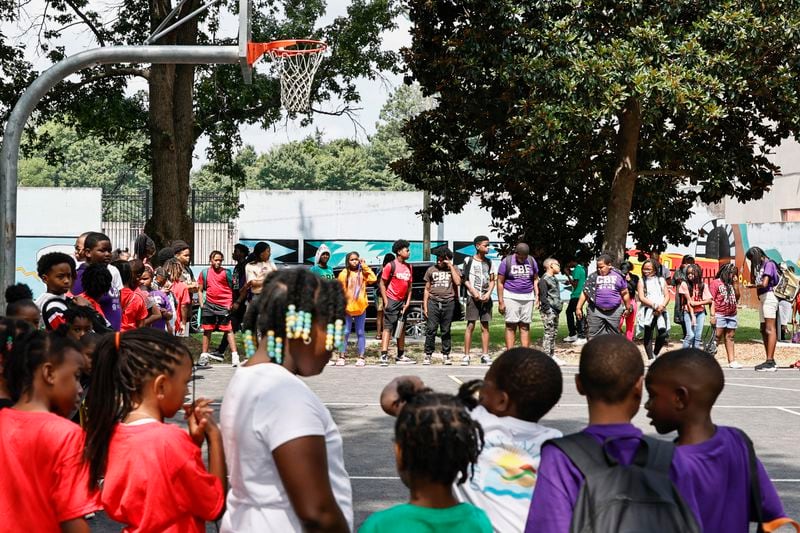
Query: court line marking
x=454 y=378
x=781 y=407
x=379 y=478
x=763 y=387
x=786 y=410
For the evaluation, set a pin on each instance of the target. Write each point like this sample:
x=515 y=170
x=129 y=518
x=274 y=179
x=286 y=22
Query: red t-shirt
x=400 y=283
x=44 y=479
x=181 y=293
x=684 y=290
x=156 y=481
x=94 y=303
x=218 y=292
x=724 y=299
x=134 y=308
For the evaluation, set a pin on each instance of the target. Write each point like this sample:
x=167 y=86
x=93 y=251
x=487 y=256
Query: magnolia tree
x=577 y=122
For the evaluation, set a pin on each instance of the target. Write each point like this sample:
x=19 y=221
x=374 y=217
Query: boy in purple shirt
x=610 y=375
x=517 y=278
x=682 y=386
x=606 y=291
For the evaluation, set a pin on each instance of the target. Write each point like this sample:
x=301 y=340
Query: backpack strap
x=204 y=273
x=755 y=483
x=655 y=454
x=584 y=452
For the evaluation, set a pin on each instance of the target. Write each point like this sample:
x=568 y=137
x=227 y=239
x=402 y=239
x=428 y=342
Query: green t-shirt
x=407 y=518
x=579 y=275
x=326 y=273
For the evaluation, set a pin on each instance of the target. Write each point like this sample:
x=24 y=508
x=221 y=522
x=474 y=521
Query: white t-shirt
x=264 y=407
x=258 y=271
x=505 y=474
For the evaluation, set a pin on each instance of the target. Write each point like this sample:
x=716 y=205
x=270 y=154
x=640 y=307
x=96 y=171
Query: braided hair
x=300 y=287
x=122 y=365
x=696 y=285
x=727 y=275
x=30 y=351
x=438 y=439
x=11 y=330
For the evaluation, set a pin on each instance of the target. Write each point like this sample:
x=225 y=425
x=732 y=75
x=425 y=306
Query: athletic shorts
x=214 y=320
x=518 y=311
x=727 y=322
x=479 y=311
x=391 y=313
x=785 y=311
x=768 y=307
x=378 y=302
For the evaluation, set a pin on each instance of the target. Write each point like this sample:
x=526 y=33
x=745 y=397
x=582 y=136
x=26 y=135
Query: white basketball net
x=297 y=72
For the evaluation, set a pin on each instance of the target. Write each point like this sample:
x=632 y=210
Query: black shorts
x=391 y=313
x=212 y=318
x=478 y=311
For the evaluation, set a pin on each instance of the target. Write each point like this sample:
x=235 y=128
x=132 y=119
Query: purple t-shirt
x=769 y=270
x=109 y=302
x=715 y=480
x=608 y=290
x=519 y=278
x=162 y=301
x=559 y=480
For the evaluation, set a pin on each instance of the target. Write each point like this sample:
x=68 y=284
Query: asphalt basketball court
x=766 y=406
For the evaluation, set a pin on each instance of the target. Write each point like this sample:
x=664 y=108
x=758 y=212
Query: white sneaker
x=465 y=361
x=559 y=361
x=735 y=364
x=202 y=360
x=215 y=356
x=571 y=338
x=579 y=341
x=448 y=360
x=235 y=359
x=427 y=359
x=486 y=359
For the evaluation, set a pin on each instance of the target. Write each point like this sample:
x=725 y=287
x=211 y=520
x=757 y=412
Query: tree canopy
x=554 y=111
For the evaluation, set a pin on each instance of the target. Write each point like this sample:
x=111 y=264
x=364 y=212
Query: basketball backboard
x=245 y=36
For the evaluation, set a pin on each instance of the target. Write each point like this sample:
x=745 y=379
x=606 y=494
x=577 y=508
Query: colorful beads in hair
x=334 y=336
x=298 y=324
x=274 y=347
x=249 y=344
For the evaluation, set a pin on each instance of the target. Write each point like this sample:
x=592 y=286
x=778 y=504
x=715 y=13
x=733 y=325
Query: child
x=517 y=287
x=57 y=272
x=216 y=285
x=439 y=301
x=395 y=286
x=180 y=292
x=134 y=304
x=258 y=266
x=653 y=316
x=153 y=474
x=521 y=386
x=45 y=481
x=321 y=267
x=550 y=305
x=284 y=450
x=97 y=251
x=388 y=258
x=390 y=400
x=9 y=329
x=682 y=387
x=78 y=322
x=725 y=294
x=20 y=304
x=695 y=296
x=161 y=302
x=479 y=283
x=436 y=443
x=610 y=375
x=96 y=284
x=626 y=269
x=354 y=279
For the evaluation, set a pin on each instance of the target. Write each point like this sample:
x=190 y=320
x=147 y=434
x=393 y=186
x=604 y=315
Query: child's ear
x=681 y=398
x=639 y=387
x=578 y=385
x=160 y=386
x=48 y=373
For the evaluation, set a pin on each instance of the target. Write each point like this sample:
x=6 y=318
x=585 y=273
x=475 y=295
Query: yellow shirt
x=356 y=293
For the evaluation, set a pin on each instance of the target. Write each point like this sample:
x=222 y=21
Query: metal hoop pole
x=9 y=157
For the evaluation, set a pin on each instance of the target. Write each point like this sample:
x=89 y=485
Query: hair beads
x=274 y=347
x=249 y=344
x=298 y=324
x=334 y=336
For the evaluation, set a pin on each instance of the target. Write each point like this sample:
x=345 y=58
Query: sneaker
x=234 y=359
x=580 y=341
x=202 y=360
x=427 y=359
x=447 y=360
x=465 y=361
x=361 y=362
x=559 y=361
x=767 y=366
x=734 y=364
x=403 y=360
x=571 y=338
x=486 y=359
x=341 y=361
x=215 y=356
x=384 y=359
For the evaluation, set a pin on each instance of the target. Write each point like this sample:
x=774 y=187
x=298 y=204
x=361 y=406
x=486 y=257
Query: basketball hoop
x=298 y=60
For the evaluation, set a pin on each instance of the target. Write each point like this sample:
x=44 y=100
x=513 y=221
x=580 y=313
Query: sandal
x=361 y=362
x=796 y=364
x=341 y=362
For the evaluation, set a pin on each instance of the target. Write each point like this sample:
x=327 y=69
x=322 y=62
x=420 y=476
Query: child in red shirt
x=153 y=473
x=216 y=292
x=180 y=291
x=133 y=302
x=45 y=481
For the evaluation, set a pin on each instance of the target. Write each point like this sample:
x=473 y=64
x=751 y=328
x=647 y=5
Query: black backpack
x=639 y=497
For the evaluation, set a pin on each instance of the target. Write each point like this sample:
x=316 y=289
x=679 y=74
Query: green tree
x=554 y=112
x=185 y=102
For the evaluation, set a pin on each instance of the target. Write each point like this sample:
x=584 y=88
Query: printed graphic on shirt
x=507 y=470
x=607 y=282
x=521 y=271
x=441 y=279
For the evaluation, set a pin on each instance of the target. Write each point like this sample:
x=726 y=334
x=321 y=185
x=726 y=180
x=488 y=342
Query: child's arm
x=369 y=275
x=77 y=525
x=203 y=426
x=155 y=314
x=453 y=272
x=425 y=297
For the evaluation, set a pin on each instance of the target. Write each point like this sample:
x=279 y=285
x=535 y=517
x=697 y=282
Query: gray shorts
x=478 y=311
x=603 y=322
x=518 y=311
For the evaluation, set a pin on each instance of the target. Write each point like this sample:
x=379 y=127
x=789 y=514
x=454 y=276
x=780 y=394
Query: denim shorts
x=727 y=322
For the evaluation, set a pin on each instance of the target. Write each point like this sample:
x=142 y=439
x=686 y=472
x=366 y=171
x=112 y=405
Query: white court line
x=458 y=381
x=763 y=387
x=782 y=407
x=785 y=410
x=785 y=480
x=381 y=478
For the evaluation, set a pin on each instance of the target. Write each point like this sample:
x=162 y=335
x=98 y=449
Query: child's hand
x=200 y=418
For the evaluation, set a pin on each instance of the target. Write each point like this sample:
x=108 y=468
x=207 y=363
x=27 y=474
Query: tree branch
x=86 y=21
x=664 y=172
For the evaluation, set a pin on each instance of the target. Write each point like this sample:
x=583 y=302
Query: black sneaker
x=403 y=360
x=767 y=366
x=447 y=360
x=384 y=359
x=427 y=359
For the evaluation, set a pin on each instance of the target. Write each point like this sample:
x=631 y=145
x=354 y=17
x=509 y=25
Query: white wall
x=58 y=212
x=340 y=215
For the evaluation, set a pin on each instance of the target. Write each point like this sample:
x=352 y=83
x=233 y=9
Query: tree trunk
x=619 y=204
x=171 y=118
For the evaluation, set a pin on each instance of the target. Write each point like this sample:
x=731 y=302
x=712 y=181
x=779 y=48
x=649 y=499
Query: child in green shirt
x=436 y=442
x=321 y=267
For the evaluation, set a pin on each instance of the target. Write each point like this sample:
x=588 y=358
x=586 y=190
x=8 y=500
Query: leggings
x=360 y=322
x=630 y=322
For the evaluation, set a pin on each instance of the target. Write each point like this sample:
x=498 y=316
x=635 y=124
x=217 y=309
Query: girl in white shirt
x=652 y=315
x=284 y=451
x=258 y=266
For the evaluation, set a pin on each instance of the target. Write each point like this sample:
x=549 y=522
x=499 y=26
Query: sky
x=373 y=92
